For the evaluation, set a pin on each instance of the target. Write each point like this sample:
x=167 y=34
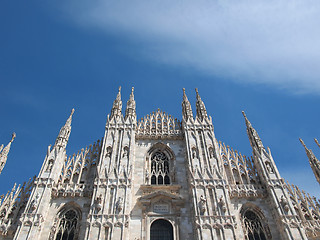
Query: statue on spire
x=4 y=153
x=186 y=107
x=313 y=161
x=63 y=137
x=131 y=106
x=117 y=105
x=254 y=138
x=201 y=108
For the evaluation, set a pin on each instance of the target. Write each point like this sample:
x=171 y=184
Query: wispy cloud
x=273 y=42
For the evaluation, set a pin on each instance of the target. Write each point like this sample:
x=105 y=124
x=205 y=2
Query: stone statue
x=147 y=176
x=35 y=203
x=211 y=155
x=50 y=165
x=269 y=167
x=97 y=202
x=222 y=204
x=284 y=204
x=202 y=204
x=125 y=152
x=119 y=204
x=194 y=153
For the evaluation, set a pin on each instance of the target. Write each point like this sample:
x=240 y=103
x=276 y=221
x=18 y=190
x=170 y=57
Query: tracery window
x=253 y=228
x=160 y=168
x=68 y=225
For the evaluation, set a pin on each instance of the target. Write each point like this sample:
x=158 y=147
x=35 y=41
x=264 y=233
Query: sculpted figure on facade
x=34 y=203
x=119 y=204
x=97 y=203
x=202 y=204
x=284 y=204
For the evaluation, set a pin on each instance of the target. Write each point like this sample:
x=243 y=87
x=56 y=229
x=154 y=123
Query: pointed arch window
x=253 y=227
x=160 y=168
x=68 y=225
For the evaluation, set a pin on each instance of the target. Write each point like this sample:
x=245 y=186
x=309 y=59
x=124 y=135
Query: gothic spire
x=201 y=108
x=254 y=138
x=63 y=137
x=131 y=106
x=316 y=140
x=4 y=152
x=117 y=105
x=186 y=107
x=313 y=161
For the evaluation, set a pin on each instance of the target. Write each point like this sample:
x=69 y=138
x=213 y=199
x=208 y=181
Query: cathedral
x=158 y=178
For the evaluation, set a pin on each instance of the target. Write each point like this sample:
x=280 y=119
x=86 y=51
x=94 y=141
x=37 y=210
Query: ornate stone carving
x=159 y=125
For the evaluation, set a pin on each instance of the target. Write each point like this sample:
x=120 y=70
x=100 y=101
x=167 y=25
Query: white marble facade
x=158 y=178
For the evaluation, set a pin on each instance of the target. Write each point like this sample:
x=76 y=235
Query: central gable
x=157 y=125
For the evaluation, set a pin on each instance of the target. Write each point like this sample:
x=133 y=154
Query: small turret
x=63 y=137
x=4 y=153
x=313 y=161
x=186 y=107
x=254 y=138
x=201 y=108
x=131 y=106
x=117 y=106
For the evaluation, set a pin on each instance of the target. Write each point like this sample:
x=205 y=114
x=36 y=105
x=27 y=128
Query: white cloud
x=262 y=41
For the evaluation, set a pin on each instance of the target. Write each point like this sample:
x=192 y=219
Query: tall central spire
x=201 y=108
x=63 y=137
x=4 y=153
x=186 y=107
x=131 y=106
x=117 y=105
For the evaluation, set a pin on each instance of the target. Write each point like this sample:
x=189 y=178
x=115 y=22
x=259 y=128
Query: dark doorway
x=161 y=230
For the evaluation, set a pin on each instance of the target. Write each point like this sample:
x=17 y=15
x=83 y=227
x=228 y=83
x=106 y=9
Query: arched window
x=160 y=168
x=253 y=228
x=68 y=225
x=161 y=230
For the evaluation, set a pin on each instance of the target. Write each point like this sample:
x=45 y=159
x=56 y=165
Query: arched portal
x=161 y=230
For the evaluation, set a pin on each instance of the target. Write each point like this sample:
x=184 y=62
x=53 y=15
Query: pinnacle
x=68 y=122
x=13 y=136
x=302 y=142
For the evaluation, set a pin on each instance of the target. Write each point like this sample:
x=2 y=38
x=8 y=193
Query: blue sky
x=259 y=56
